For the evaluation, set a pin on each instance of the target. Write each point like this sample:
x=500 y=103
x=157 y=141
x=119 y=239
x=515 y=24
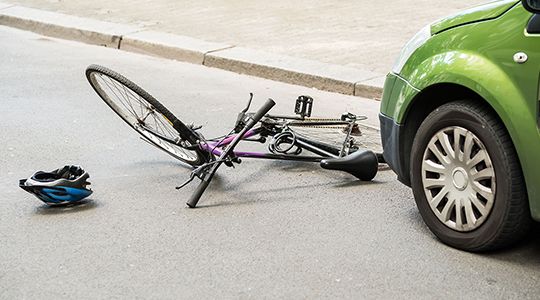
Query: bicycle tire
x=110 y=85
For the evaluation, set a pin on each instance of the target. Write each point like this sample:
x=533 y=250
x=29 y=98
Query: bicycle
x=159 y=127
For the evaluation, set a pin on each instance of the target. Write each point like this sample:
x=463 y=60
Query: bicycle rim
x=142 y=112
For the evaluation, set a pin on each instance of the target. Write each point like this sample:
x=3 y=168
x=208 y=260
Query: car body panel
x=476 y=14
x=391 y=133
x=476 y=57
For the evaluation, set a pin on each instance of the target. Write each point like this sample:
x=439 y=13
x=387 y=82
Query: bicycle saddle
x=362 y=164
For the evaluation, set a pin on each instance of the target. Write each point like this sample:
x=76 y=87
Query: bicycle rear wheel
x=146 y=115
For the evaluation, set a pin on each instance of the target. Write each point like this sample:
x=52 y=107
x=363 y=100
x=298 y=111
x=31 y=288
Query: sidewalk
x=341 y=38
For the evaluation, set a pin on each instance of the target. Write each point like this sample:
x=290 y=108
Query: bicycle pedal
x=355 y=131
x=348 y=116
x=303 y=106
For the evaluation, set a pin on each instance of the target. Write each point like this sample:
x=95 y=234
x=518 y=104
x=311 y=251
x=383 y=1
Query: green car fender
x=489 y=81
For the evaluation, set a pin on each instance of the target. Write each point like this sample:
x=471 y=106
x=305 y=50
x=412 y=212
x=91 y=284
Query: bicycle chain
x=309 y=123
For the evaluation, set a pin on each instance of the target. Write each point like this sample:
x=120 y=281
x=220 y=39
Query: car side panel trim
x=390 y=133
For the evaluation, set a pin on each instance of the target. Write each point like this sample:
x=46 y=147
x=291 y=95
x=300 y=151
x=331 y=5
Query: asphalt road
x=270 y=229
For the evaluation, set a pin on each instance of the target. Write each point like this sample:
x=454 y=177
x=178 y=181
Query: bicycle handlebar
x=261 y=112
x=265 y=108
x=192 y=202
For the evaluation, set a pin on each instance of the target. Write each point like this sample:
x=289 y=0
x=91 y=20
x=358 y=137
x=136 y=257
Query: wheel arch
x=423 y=103
x=436 y=95
x=435 y=74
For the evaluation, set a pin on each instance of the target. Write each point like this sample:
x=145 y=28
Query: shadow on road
x=356 y=182
x=251 y=197
x=331 y=179
x=84 y=205
x=526 y=253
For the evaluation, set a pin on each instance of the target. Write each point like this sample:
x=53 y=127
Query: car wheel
x=467 y=180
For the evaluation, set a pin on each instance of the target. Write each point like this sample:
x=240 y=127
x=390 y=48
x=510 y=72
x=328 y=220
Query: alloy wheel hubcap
x=458 y=178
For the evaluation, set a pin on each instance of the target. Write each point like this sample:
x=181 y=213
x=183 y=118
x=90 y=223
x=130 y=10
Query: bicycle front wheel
x=145 y=114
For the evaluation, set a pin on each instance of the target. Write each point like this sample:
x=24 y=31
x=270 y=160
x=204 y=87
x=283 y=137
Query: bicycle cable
x=222 y=138
x=285 y=137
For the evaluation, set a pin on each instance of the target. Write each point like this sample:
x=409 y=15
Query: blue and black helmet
x=61 y=186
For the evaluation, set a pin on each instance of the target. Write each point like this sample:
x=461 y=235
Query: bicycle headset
x=61 y=186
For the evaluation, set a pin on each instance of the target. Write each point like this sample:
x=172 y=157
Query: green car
x=460 y=123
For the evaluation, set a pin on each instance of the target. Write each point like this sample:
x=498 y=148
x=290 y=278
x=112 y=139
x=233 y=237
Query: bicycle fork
x=205 y=180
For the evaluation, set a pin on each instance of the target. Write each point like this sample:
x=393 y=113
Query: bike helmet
x=61 y=186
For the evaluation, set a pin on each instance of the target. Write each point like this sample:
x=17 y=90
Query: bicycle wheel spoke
x=140 y=111
x=126 y=96
x=139 y=99
x=127 y=99
x=164 y=125
x=158 y=125
x=112 y=88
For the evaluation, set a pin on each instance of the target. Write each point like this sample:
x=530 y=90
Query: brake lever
x=249 y=103
x=241 y=118
x=201 y=171
x=191 y=177
x=195 y=173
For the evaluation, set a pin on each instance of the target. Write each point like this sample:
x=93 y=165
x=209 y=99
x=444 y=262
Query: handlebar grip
x=263 y=110
x=192 y=202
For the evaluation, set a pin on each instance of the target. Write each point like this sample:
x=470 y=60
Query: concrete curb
x=170 y=46
x=327 y=77
x=65 y=26
x=304 y=72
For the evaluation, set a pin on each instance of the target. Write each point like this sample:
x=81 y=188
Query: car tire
x=467 y=179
